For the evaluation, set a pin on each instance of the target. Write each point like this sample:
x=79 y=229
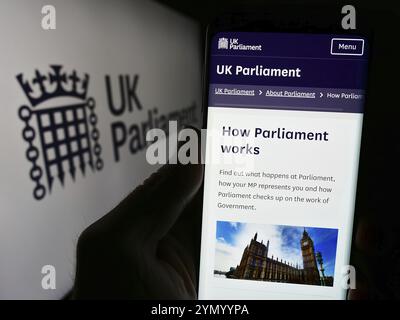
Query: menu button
x=347 y=47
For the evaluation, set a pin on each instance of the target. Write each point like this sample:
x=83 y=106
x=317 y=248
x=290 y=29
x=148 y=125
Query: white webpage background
x=337 y=157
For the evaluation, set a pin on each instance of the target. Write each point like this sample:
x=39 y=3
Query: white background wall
x=97 y=37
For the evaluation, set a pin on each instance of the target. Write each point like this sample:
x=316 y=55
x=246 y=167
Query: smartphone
x=284 y=111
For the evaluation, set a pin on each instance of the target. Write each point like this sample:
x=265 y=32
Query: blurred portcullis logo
x=60 y=128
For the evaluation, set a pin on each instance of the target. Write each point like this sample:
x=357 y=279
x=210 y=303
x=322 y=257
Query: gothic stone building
x=256 y=265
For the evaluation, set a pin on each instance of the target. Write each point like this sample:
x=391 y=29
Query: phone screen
x=284 y=122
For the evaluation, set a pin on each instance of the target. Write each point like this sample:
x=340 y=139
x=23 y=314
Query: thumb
x=149 y=212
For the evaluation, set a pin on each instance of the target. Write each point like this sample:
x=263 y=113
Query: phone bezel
x=296 y=19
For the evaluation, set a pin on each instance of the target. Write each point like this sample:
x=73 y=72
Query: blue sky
x=232 y=238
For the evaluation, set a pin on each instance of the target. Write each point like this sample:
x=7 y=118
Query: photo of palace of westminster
x=256 y=265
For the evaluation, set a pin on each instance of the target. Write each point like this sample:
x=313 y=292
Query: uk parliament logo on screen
x=60 y=128
x=223 y=43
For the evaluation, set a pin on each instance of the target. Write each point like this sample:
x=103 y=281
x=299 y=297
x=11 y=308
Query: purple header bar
x=295 y=45
x=321 y=61
x=289 y=71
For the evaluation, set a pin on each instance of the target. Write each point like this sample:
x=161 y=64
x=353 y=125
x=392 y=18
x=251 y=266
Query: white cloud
x=228 y=255
x=234 y=225
x=225 y=256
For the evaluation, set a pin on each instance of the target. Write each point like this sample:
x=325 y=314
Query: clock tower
x=311 y=272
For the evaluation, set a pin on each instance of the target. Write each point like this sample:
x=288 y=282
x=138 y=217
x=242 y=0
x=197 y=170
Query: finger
x=152 y=209
x=188 y=226
x=187 y=229
x=162 y=198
